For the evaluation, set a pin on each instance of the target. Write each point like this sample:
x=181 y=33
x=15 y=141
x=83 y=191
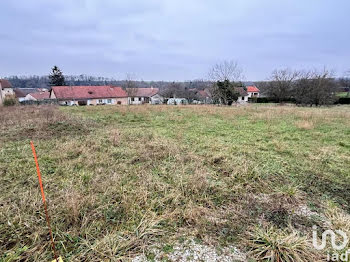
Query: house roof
x=22 y=92
x=88 y=92
x=40 y=95
x=142 y=92
x=5 y=83
x=241 y=91
x=203 y=94
x=253 y=89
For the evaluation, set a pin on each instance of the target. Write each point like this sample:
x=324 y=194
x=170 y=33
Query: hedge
x=40 y=102
x=273 y=100
x=343 y=101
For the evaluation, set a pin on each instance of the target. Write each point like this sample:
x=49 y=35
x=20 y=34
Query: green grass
x=342 y=94
x=122 y=178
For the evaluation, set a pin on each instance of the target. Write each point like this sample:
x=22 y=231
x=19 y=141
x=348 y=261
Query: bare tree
x=281 y=84
x=315 y=88
x=226 y=77
x=226 y=70
x=130 y=84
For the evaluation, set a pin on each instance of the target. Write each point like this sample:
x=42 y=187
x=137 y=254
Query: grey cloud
x=174 y=40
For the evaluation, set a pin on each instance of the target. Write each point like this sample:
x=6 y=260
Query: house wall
x=102 y=101
x=136 y=100
x=52 y=95
x=242 y=99
x=5 y=92
x=156 y=99
x=29 y=97
x=139 y=100
x=252 y=94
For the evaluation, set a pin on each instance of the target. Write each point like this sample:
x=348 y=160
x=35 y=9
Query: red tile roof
x=253 y=89
x=5 y=83
x=88 y=92
x=142 y=92
x=41 y=95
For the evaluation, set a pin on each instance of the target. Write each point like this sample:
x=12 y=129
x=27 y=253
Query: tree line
x=302 y=87
x=224 y=81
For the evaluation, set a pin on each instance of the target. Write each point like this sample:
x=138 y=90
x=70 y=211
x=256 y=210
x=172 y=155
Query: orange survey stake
x=44 y=202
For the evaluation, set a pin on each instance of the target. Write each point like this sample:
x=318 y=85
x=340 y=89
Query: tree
x=130 y=84
x=225 y=92
x=56 y=77
x=281 y=84
x=227 y=77
x=226 y=70
x=315 y=88
x=174 y=90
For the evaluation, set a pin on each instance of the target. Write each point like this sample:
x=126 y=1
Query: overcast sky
x=172 y=39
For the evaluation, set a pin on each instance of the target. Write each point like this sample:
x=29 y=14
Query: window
x=242 y=97
x=132 y=99
x=109 y=101
x=100 y=101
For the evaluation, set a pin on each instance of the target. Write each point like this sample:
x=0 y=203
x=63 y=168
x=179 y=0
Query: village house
x=138 y=96
x=243 y=95
x=21 y=93
x=252 y=91
x=6 y=90
x=89 y=95
x=38 y=96
x=204 y=96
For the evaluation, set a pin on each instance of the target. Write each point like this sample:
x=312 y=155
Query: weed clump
x=271 y=244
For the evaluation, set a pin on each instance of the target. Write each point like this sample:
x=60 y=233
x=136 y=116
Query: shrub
x=10 y=101
x=343 y=101
x=271 y=244
x=266 y=100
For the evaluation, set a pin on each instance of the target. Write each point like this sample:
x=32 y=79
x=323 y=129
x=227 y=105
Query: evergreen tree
x=56 y=77
x=225 y=92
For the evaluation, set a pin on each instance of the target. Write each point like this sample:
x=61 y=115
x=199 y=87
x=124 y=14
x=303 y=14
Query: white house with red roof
x=89 y=95
x=139 y=96
x=252 y=91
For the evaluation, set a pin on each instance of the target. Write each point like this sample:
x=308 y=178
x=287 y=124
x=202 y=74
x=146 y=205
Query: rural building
x=89 y=95
x=6 y=90
x=252 y=91
x=138 y=96
x=243 y=95
x=204 y=96
x=38 y=96
x=21 y=93
x=177 y=101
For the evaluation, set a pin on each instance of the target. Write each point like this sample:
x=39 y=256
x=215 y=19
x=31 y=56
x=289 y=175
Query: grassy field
x=121 y=179
x=342 y=94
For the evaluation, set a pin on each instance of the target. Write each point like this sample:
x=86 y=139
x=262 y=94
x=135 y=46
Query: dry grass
x=305 y=125
x=121 y=178
x=271 y=244
x=21 y=122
